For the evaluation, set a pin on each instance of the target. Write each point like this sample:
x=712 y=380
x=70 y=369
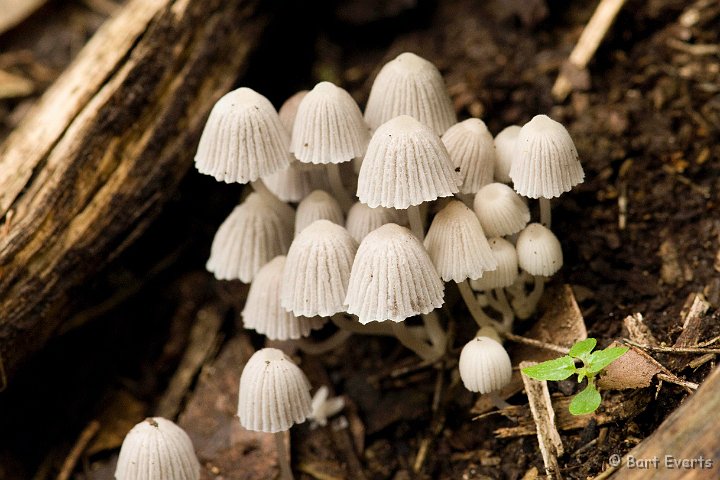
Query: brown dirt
x=645 y=119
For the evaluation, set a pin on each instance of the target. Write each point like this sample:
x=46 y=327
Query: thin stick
x=545 y=212
x=323 y=346
x=406 y=337
x=677 y=381
x=588 y=43
x=283 y=456
x=416 y=222
x=534 y=343
x=71 y=460
x=337 y=187
x=481 y=318
x=676 y=350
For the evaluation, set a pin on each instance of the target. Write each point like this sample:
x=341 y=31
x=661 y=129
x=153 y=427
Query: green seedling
x=562 y=368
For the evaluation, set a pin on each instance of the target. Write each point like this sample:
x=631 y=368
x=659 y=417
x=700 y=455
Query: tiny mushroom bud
x=253 y=234
x=274 y=393
x=319 y=205
x=288 y=110
x=504 y=152
x=392 y=277
x=324 y=407
x=472 y=151
x=243 y=139
x=484 y=365
x=410 y=85
x=157 y=449
x=263 y=312
x=293 y=183
x=507 y=271
x=546 y=162
x=539 y=252
x=362 y=219
x=501 y=211
x=317 y=270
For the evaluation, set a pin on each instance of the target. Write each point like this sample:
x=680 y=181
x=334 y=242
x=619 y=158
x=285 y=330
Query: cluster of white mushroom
x=355 y=262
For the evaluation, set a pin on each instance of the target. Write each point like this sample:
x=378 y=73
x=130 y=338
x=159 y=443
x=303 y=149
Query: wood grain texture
x=105 y=147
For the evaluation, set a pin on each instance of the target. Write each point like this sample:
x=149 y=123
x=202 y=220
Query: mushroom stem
x=525 y=306
x=323 y=346
x=337 y=187
x=283 y=456
x=416 y=222
x=435 y=332
x=260 y=187
x=503 y=306
x=414 y=343
x=545 y=213
x=354 y=326
x=481 y=318
x=498 y=402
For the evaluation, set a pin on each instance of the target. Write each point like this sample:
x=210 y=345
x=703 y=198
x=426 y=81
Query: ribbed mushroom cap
x=288 y=110
x=410 y=85
x=405 y=164
x=472 y=151
x=362 y=219
x=317 y=270
x=546 y=162
x=329 y=127
x=157 y=449
x=504 y=152
x=274 y=393
x=393 y=277
x=263 y=312
x=250 y=236
x=484 y=365
x=501 y=211
x=539 y=251
x=293 y=183
x=243 y=139
x=319 y=205
x=507 y=266
x=457 y=245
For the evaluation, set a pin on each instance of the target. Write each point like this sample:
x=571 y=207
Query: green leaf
x=602 y=358
x=582 y=348
x=557 y=369
x=586 y=401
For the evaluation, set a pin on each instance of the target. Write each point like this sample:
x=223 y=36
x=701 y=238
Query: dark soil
x=645 y=117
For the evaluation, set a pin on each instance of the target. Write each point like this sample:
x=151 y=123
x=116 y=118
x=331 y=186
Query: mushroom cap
x=157 y=449
x=500 y=209
x=293 y=183
x=329 y=127
x=405 y=164
x=243 y=139
x=319 y=205
x=504 y=152
x=252 y=235
x=274 y=393
x=288 y=110
x=472 y=151
x=263 y=312
x=362 y=219
x=410 y=85
x=317 y=270
x=539 y=252
x=457 y=245
x=484 y=365
x=507 y=266
x=392 y=277
x=546 y=162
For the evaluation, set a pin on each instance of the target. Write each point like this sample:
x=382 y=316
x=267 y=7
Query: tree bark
x=108 y=143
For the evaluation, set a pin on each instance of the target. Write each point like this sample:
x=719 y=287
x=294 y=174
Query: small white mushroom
x=504 y=152
x=484 y=365
x=539 y=251
x=472 y=151
x=362 y=219
x=501 y=211
x=319 y=205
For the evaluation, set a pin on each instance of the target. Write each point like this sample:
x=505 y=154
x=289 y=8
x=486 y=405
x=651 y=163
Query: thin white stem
x=525 y=307
x=497 y=401
x=545 y=213
x=435 y=332
x=505 y=308
x=260 y=187
x=481 y=318
x=336 y=185
x=374 y=328
x=409 y=340
x=318 y=348
x=283 y=456
x=416 y=221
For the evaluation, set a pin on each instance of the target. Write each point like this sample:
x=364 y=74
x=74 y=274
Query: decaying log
x=686 y=445
x=105 y=147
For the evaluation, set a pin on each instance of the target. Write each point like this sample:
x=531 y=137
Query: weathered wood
x=690 y=432
x=105 y=147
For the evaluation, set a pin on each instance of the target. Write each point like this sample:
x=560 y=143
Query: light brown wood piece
x=105 y=147
x=551 y=446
